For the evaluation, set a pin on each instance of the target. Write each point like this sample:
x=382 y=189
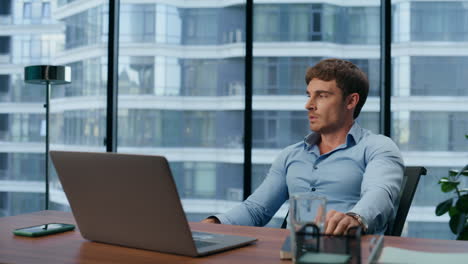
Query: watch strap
x=362 y=221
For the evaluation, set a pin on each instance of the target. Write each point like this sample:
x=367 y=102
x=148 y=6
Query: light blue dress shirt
x=362 y=176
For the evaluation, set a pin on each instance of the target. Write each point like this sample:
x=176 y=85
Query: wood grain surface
x=70 y=247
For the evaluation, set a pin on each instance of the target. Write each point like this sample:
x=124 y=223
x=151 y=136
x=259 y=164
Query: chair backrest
x=408 y=189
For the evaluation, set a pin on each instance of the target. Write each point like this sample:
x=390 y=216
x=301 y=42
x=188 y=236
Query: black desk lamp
x=48 y=75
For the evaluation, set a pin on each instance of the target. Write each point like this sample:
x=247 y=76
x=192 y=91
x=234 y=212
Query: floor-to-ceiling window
x=78 y=110
x=28 y=36
x=39 y=32
x=430 y=113
x=181 y=95
x=289 y=38
x=181 y=78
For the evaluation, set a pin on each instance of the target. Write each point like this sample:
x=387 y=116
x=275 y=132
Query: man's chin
x=315 y=129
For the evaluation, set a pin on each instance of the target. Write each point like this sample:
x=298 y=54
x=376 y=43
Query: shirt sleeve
x=260 y=207
x=381 y=184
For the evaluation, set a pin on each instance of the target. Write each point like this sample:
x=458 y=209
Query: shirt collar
x=353 y=137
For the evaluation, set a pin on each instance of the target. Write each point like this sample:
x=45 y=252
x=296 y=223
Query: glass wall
x=77 y=119
x=438 y=75
x=430 y=114
x=28 y=36
x=78 y=110
x=308 y=22
x=439 y=21
x=288 y=39
x=181 y=87
x=181 y=90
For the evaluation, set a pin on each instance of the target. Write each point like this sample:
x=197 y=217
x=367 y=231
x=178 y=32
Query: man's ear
x=352 y=101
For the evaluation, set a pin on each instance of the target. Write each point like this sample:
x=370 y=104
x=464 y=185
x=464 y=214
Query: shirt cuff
x=222 y=219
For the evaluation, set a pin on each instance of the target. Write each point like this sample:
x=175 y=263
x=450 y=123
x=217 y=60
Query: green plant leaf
x=453 y=211
x=453 y=223
x=462 y=204
x=466 y=136
x=463 y=234
x=454 y=172
x=443 y=207
x=448 y=186
x=443 y=179
x=457 y=222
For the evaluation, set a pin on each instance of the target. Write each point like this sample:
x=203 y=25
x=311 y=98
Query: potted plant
x=457 y=206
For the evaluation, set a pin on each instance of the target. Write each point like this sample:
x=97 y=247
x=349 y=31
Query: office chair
x=408 y=189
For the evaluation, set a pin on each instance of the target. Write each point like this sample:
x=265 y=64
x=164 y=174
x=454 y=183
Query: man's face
x=327 y=111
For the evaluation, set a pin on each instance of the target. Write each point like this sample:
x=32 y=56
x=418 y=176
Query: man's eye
x=323 y=95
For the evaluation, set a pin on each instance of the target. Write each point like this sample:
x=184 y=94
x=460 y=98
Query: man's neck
x=330 y=141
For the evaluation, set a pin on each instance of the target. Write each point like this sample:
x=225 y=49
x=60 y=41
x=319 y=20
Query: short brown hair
x=348 y=77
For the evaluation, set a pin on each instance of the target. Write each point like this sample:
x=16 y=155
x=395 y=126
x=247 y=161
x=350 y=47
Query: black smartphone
x=43 y=230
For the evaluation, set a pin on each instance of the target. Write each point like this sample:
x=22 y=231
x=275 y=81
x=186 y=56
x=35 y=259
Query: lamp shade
x=43 y=74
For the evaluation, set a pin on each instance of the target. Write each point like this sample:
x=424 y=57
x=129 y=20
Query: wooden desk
x=70 y=247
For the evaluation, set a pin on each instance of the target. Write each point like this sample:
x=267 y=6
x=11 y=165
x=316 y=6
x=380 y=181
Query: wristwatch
x=360 y=219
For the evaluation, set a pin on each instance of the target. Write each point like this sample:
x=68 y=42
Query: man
x=359 y=172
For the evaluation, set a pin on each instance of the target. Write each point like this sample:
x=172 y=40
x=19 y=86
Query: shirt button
x=313 y=189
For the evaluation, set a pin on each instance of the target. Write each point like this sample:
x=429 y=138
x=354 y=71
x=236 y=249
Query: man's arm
x=379 y=190
x=260 y=207
x=381 y=184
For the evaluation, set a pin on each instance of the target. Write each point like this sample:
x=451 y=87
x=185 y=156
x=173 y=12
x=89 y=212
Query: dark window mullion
x=385 y=66
x=112 y=76
x=248 y=99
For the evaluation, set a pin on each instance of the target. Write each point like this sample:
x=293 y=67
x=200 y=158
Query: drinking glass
x=304 y=209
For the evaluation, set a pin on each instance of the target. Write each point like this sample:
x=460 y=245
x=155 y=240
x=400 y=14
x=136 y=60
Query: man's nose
x=310 y=104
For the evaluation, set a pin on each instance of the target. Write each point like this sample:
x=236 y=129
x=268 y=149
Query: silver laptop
x=132 y=201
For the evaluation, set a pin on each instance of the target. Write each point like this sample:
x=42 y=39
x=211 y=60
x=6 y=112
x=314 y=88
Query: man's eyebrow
x=323 y=91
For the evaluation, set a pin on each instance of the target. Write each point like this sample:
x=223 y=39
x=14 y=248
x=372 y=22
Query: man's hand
x=211 y=220
x=338 y=223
